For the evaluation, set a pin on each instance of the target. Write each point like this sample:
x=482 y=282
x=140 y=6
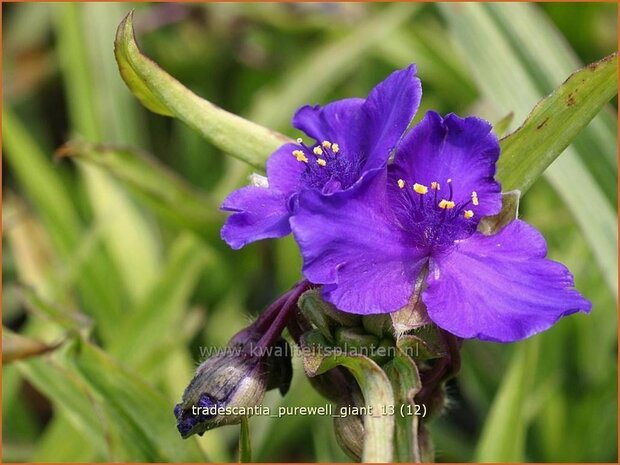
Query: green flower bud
x=349 y=430
x=324 y=315
x=357 y=339
x=349 y=434
x=380 y=325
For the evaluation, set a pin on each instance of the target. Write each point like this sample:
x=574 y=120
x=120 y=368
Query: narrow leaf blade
x=163 y=94
x=555 y=122
x=161 y=188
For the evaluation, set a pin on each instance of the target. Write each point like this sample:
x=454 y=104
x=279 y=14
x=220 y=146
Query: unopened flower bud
x=323 y=314
x=380 y=325
x=349 y=430
x=356 y=339
x=221 y=392
x=349 y=434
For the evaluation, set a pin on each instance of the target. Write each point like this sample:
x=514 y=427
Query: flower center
x=327 y=168
x=432 y=215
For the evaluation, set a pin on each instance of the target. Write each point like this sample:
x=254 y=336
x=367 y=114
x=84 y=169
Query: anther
x=300 y=156
x=435 y=186
x=321 y=162
x=474 y=198
x=420 y=188
x=468 y=214
x=335 y=148
x=317 y=151
x=446 y=204
x=327 y=144
x=401 y=183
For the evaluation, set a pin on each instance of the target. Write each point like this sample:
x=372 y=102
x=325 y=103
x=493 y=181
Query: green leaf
x=40 y=181
x=549 y=59
x=53 y=446
x=74 y=65
x=44 y=186
x=162 y=308
x=129 y=241
x=503 y=435
x=121 y=117
x=125 y=230
x=512 y=69
x=69 y=395
x=141 y=415
x=377 y=392
x=501 y=127
x=555 y=122
x=38 y=306
x=161 y=93
x=403 y=373
x=17 y=347
x=159 y=187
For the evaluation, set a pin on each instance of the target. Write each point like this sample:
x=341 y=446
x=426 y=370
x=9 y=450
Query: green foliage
x=555 y=122
x=161 y=93
x=503 y=435
x=377 y=392
x=166 y=193
x=114 y=274
x=514 y=70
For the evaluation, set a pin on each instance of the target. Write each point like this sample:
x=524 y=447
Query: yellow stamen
x=474 y=198
x=401 y=183
x=420 y=188
x=335 y=148
x=327 y=144
x=317 y=151
x=446 y=204
x=468 y=214
x=435 y=186
x=300 y=156
x=321 y=162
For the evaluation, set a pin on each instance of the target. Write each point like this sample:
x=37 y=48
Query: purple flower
x=353 y=136
x=368 y=246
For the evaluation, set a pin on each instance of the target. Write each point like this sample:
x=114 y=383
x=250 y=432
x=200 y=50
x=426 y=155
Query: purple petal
x=337 y=122
x=387 y=113
x=283 y=169
x=366 y=129
x=259 y=213
x=500 y=288
x=463 y=150
x=349 y=244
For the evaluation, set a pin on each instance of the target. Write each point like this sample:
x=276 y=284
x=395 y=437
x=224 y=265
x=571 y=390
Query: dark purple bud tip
x=191 y=419
x=226 y=387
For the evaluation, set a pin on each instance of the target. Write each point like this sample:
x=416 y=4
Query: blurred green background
x=90 y=253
